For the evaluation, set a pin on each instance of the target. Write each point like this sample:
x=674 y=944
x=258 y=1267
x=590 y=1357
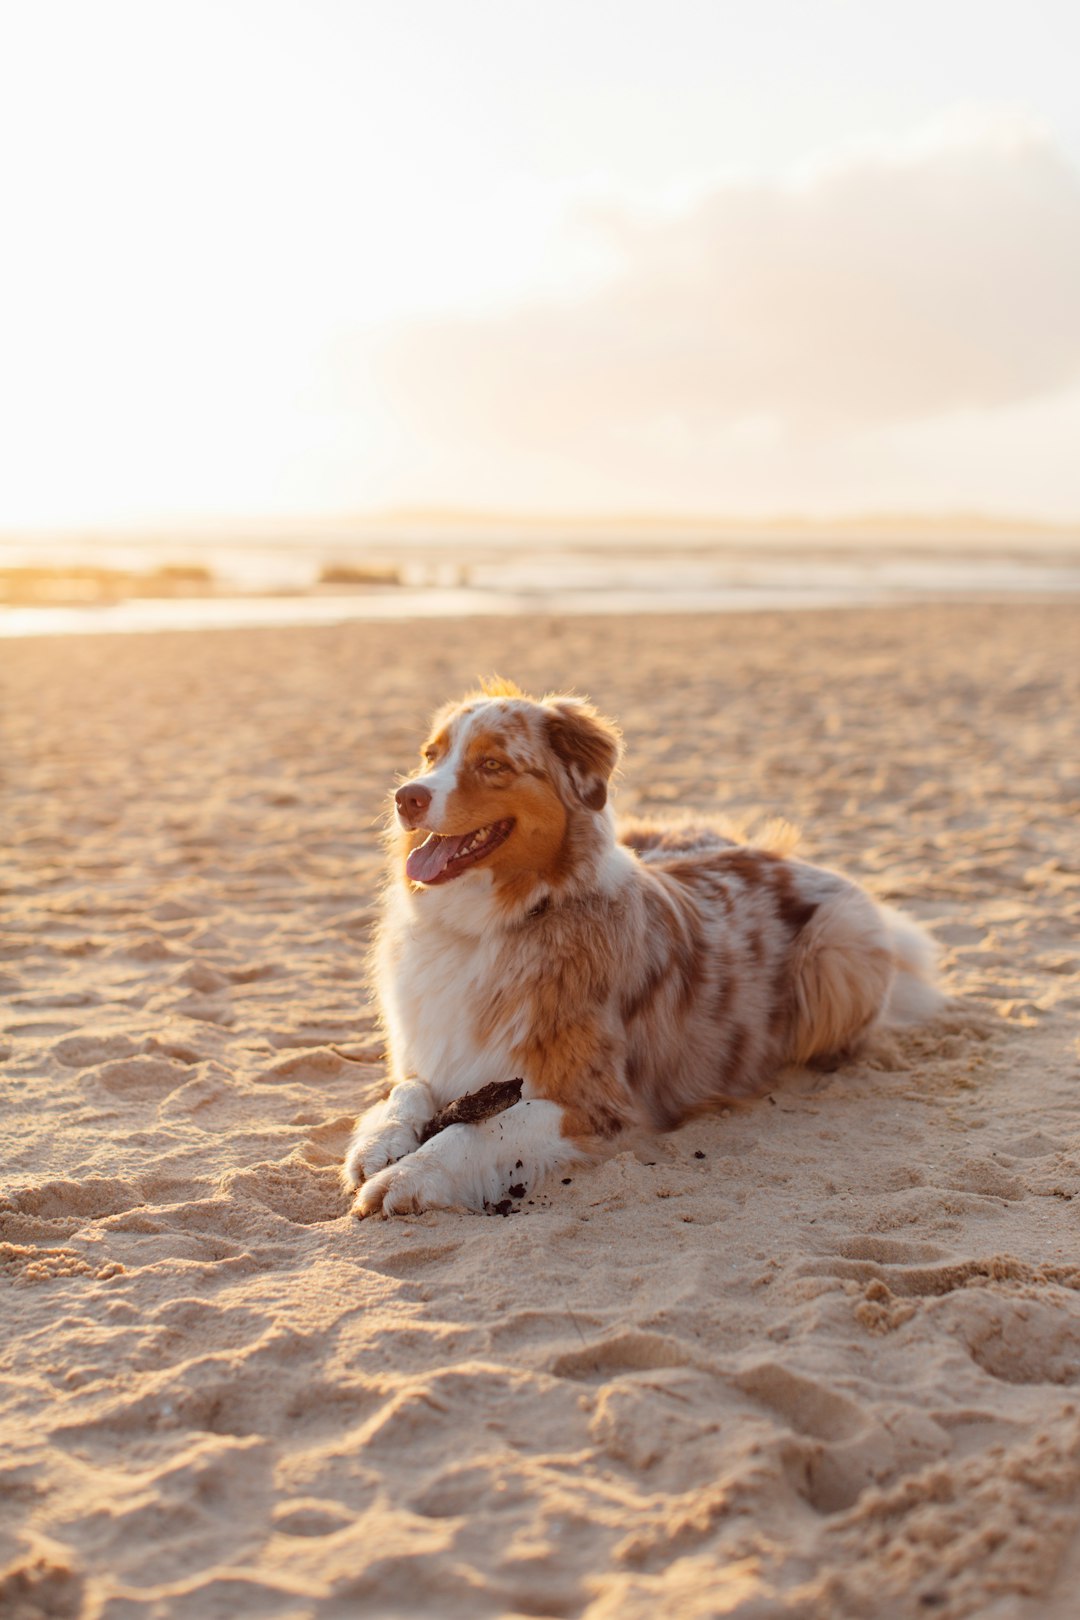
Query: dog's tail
x=858 y=965
x=913 y=994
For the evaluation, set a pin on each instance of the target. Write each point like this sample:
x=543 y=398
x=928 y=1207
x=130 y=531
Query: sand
x=816 y=1357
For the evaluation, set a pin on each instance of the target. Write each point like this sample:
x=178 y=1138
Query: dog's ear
x=588 y=745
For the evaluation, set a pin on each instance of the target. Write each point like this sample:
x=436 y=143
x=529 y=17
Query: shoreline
x=404 y=605
x=319 y=585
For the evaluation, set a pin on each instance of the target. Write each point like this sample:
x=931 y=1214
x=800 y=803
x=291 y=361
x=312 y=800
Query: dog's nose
x=412 y=801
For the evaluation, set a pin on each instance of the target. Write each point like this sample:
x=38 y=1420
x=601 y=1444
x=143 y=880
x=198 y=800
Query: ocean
x=260 y=582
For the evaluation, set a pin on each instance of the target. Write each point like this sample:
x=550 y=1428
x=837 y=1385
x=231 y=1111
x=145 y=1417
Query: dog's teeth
x=477 y=840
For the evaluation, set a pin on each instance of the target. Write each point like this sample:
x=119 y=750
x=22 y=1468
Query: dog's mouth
x=440 y=858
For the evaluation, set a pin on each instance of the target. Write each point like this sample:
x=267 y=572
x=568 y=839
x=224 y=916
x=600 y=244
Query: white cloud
x=890 y=290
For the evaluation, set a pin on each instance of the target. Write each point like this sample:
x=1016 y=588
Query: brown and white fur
x=631 y=977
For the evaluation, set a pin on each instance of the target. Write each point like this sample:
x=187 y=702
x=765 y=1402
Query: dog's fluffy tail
x=913 y=993
x=858 y=965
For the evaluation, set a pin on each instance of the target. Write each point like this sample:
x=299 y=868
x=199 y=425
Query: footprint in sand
x=405 y=1262
x=890 y=1251
x=634 y=1351
x=984 y=1177
x=643 y=1420
x=304 y=1195
x=1018 y=1341
x=312 y=1067
x=83 y=1051
x=145 y=1078
x=834 y=1449
x=309 y=1516
x=210 y=1088
x=69 y=1202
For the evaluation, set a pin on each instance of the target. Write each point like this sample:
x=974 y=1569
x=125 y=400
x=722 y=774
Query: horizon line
x=208 y=527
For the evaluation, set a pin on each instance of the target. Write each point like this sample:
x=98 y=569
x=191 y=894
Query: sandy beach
x=816 y=1357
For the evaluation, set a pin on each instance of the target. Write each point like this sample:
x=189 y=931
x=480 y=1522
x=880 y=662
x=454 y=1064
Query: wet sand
x=819 y=1356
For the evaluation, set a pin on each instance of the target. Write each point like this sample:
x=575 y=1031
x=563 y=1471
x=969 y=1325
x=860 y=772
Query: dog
x=629 y=976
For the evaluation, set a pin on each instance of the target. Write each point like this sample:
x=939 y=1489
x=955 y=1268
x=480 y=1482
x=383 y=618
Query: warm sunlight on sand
x=812 y=1359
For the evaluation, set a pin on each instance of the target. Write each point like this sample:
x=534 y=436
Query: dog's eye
x=492 y=765
x=430 y=755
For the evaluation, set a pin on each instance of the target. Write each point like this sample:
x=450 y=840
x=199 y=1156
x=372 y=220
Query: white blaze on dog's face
x=505 y=780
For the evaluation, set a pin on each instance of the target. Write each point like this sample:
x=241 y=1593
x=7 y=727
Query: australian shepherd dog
x=632 y=975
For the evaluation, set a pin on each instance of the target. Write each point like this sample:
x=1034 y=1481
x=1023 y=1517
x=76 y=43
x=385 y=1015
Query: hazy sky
x=266 y=258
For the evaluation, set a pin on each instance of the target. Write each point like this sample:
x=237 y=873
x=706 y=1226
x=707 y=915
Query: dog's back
x=750 y=960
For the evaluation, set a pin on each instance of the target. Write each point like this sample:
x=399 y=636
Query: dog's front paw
x=374 y=1147
x=407 y=1188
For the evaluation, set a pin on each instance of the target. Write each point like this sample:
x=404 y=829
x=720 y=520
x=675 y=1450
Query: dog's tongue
x=432 y=857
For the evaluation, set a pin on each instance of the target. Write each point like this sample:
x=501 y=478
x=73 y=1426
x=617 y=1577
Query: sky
x=795 y=256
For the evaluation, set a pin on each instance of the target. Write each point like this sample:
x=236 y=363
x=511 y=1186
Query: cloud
x=892 y=289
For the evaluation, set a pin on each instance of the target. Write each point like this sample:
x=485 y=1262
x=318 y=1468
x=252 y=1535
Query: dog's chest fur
x=436 y=984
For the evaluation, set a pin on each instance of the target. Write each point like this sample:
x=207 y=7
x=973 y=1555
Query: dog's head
x=507 y=783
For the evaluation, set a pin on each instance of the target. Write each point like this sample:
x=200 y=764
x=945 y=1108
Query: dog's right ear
x=588 y=745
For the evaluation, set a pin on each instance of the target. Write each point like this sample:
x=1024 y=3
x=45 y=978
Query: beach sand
x=818 y=1356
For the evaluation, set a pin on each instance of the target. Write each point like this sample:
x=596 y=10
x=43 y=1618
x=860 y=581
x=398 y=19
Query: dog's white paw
x=388 y=1131
x=374 y=1147
x=406 y=1188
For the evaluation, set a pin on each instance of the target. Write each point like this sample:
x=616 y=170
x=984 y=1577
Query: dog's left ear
x=588 y=745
